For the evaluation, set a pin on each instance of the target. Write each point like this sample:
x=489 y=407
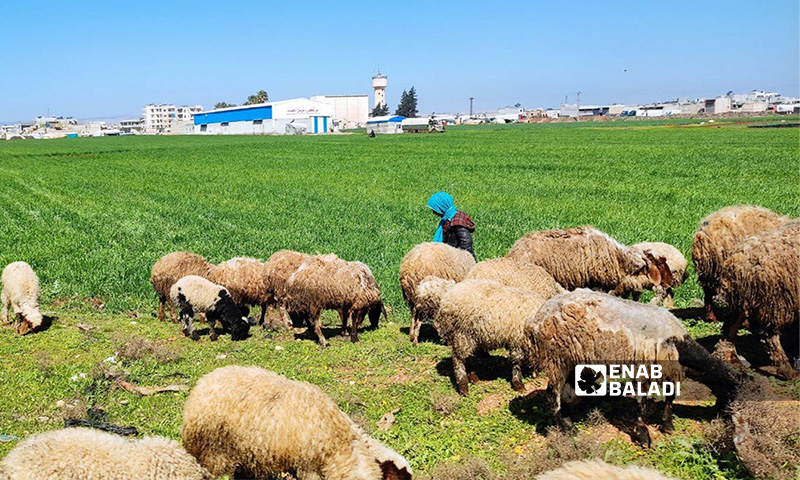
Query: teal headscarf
x=442 y=203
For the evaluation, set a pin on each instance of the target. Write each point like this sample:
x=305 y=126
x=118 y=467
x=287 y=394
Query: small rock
x=123 y=402
x=221 y=356
x=60 y=403
x=111 y=359
x=278 y=347
x=44 y=419
x=134 y=322
x=8 y=438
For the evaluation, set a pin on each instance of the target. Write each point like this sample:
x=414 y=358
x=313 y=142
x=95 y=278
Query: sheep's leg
x=640 y=431
x=779 y=357
x=413 y=330
x=356 y=317
x=516 y=356
x=161 y=302
x=708 y=294
x=211 y=320
x=635 y=296
x=344 y=317
x=560 y=413
x=666 y=416
x=460 y=372
x=731 y=328
x=669 y=299
x=263 y=314
x=188 y=324
x=316 y=325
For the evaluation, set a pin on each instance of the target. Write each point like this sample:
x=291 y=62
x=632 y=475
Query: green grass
x=92 y=215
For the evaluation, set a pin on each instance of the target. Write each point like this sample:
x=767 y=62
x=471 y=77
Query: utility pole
x=579 y=104
x=470 y=106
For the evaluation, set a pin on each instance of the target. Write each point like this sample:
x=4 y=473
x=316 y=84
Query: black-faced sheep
x=586 y=327
x=585 y=257
x=677 y=266
x=326 y=282
x=430 y=259
x=761 y=283
x=254 y=423
x=483 y=315
x=246 y=281
x=21 y=295
x=599 y=470
x=278 y=269
x=169 y=269
x=194 y=294
x=511 y=273
x=718 y=234
x=86 y=454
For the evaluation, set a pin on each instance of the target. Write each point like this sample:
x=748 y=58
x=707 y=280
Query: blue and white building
x=266 y=118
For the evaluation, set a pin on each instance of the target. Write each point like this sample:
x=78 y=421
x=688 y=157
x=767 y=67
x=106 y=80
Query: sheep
x=326 y=282
x=483 y=315
x=282 y=426
x=677 y=266
x=585 y=257
x=586 y=327
x=429 y=293
x=87 y=454
x=432 y=258
x=246 y=280
x=760 y=283
x=194 y=294
x=278 y=269
x=598 y=469
x=717 y=235
x=169 y=269
x=517 y=274
x=21 y=293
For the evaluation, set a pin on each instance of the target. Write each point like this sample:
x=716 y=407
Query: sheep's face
x=658 y=271
x=24 y=327
x=391 y=471
x=231 y=316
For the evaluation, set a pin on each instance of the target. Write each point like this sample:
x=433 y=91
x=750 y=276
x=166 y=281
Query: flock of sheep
x=556 y=300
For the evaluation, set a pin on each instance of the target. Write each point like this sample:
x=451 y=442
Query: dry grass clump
x=444 y=403
x=135 y=347
x=470 y=469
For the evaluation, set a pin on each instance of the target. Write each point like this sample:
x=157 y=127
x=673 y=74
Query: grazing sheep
x=246 y=280
x=600 y=470
x=326 y=282
x=511 y=273
x=254 y=423
x=677 y=266
x=435 y=259
x=483 y=315
x=586 y=327
x=21 y=293
x=194 y=294
x=429 y=293
x=169 y=269
x=86 y=454
x=761 y=283
x=278 y=269
x=718 y=234
x=585 y=257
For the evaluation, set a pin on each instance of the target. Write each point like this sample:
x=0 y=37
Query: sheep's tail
x=714 y=373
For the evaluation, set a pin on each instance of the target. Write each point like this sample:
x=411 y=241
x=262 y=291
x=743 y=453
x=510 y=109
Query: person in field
x=455 y=228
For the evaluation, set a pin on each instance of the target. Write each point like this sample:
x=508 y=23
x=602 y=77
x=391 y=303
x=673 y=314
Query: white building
x=386 y=124
x=717 y=105
x=349 y=111
x=168 y=118
x=266 y=118
x=379 y=83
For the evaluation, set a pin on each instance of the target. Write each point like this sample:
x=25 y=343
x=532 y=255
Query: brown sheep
x=326 y=282
x=434 y=259
x=246 y=280
x=586 y=327
x=483 y=315
x=761 y=283
x=677 y=265
x=169 y=269
x=278 y=269
x=718 y=234
x=511 y=273
x=284 y=426
x=585 y=257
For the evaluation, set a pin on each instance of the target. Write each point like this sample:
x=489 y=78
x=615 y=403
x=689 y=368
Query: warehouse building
x=271 y=118
x=349 y=111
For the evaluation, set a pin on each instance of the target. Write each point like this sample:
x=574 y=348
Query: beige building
x=349 y=111
x=164 y=118
x=379 y=83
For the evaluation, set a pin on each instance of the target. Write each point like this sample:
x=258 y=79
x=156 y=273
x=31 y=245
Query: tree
x=408 y=104
x=260 y=97
x=380 y=110
x=223 y=105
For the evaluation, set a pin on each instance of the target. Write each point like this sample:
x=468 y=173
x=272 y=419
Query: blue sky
x=95 y=59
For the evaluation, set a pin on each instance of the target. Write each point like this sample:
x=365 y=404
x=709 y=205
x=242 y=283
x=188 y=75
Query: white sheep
x=21 y=294
x=194 y=294
x=258 y=424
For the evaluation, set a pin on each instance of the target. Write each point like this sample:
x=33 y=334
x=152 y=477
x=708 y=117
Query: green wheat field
x=92 y=215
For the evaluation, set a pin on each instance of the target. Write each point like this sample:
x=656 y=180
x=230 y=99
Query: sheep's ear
x=658 y=271
x=390 y=471
x=223 y=293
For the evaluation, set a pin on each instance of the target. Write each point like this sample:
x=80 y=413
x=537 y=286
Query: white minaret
x=379 y=85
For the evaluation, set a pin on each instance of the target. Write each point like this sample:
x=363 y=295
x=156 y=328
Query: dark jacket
x=458 y=232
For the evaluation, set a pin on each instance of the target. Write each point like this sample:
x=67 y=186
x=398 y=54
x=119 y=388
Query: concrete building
x=135 y=125
x=717 y=105
x=349 y=111
x=168 y=118
x=379 y=83
x=271 y=118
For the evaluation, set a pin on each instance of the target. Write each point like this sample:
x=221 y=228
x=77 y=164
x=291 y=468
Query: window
x=224 y=124
x=257 y=122
x=203 y=128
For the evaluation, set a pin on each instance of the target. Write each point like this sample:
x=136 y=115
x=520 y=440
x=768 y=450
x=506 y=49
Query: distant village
x=324 y=114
